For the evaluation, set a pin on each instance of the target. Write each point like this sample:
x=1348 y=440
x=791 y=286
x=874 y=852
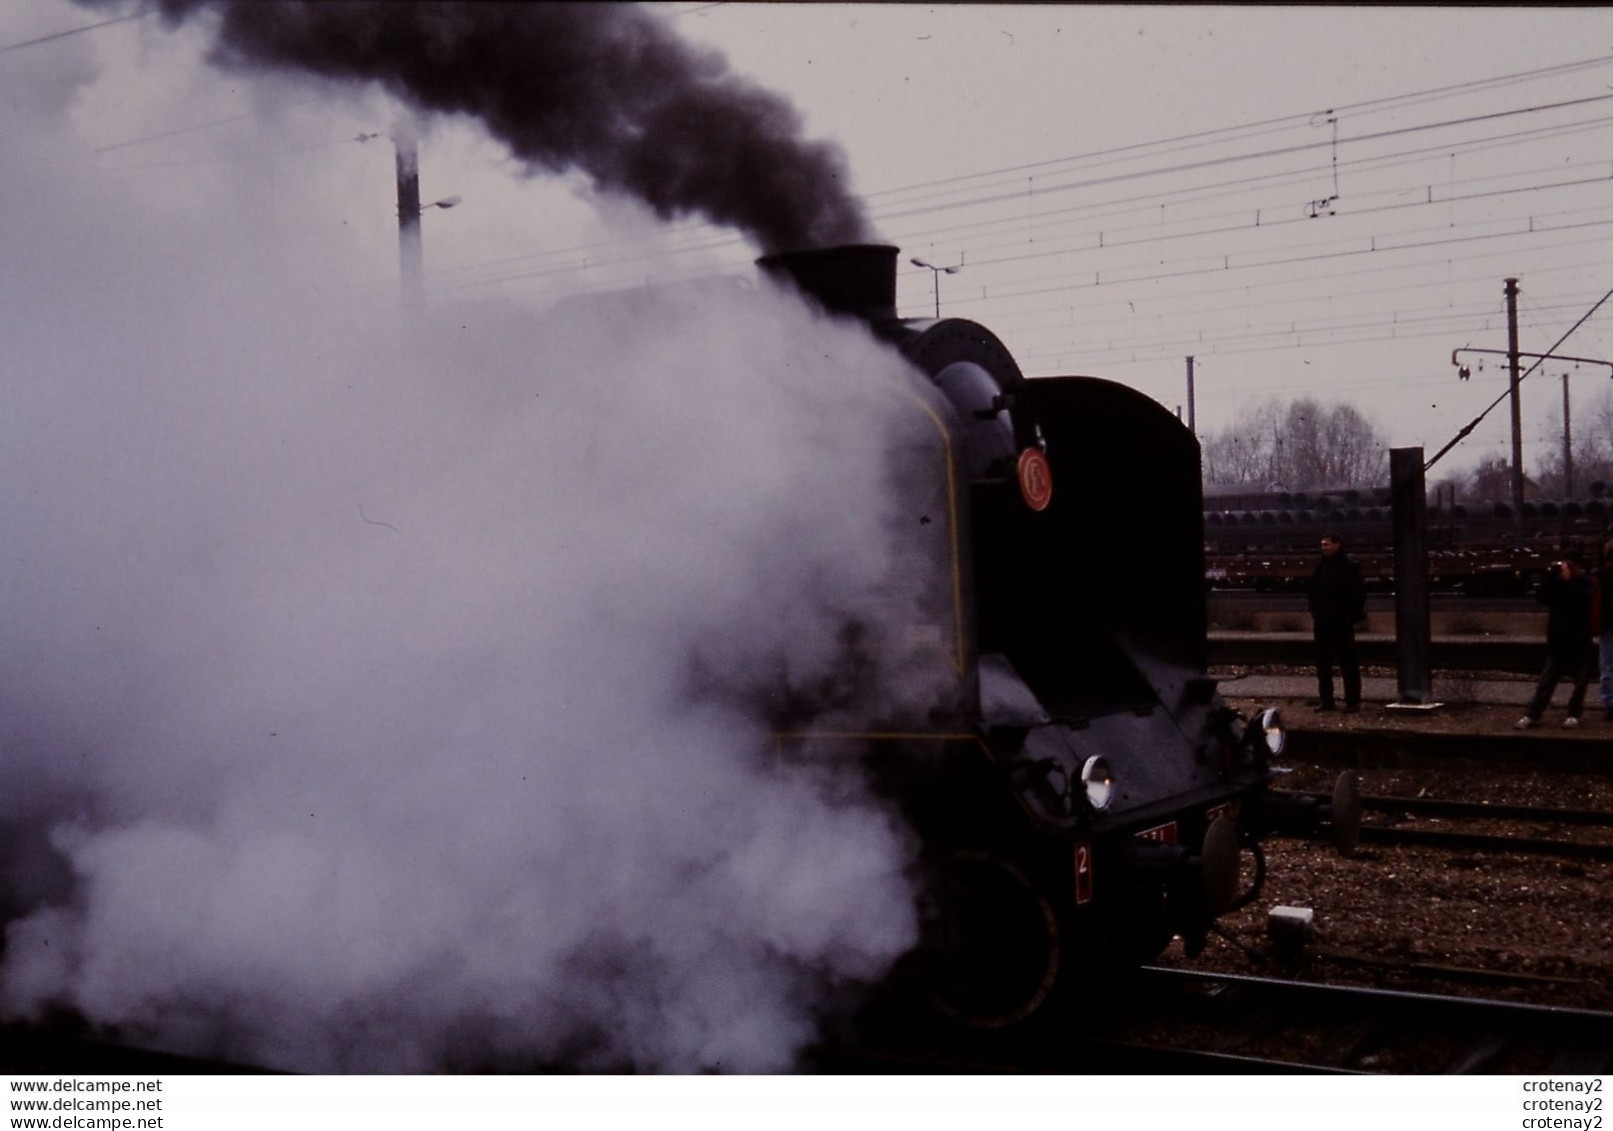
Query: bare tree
x=1594 y=463
x=1300 y=446
x=1357 y=452
x=1592 y=446
x=1245 y=451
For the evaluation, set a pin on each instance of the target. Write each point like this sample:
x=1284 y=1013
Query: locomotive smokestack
x=858 y=279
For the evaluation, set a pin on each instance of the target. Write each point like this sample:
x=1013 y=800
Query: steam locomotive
x=1091 y=796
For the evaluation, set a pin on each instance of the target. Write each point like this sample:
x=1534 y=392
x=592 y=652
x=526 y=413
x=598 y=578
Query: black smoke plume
x=608 y=89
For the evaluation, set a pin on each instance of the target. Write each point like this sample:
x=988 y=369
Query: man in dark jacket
x=1567 y=593
x=1338 y=599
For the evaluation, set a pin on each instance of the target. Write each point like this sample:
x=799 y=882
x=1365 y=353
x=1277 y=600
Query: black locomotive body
x=1093 y=796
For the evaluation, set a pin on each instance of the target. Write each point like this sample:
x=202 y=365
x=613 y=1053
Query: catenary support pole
x=410 y=254
x=1517 y=414
x=1568 y=446
x=1413 y=621
x=1192 y=421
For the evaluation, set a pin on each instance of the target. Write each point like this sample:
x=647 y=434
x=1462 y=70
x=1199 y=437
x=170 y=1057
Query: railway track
x=1170 y=1020
x=1386 y=831
x=1249 y=600
x=1158 y=1020
x=1221 y=1018
x=1543 y=750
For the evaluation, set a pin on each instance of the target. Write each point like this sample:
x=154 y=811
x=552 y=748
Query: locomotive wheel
x=994 y=943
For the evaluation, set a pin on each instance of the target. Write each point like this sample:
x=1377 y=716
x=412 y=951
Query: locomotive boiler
x=1092 y=796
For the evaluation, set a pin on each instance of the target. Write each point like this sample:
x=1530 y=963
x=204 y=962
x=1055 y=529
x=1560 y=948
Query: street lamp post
x=936 y=273
x=410 y=251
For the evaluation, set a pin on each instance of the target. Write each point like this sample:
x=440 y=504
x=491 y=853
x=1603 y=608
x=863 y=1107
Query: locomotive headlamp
x=1099 y=782
x=1269 y=725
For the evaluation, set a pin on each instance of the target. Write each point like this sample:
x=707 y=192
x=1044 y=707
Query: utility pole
x=1517 y=414
x=1409 y=521
x=1513 y=354
x=1192 y=426
x=1568 y=446
x=410 y=253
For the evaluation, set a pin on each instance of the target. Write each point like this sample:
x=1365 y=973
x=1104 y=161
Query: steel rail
x=1368 y=1026
x=1324 y=992
x=1443 y=807
x=1485 y=842
x=1250 y=601
x=1552 y=751
x=1477 y=841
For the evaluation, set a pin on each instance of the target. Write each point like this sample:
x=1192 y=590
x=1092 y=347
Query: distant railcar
x=1267 y=540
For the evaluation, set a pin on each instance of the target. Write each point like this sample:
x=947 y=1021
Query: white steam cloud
x=404 y=703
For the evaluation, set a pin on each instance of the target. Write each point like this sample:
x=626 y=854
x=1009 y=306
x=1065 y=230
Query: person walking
x=1338 y=599
x=1568 y=593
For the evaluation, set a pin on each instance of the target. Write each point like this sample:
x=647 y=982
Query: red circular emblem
x=1035 y=479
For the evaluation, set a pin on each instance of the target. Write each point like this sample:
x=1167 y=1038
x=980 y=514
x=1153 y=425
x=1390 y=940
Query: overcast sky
x=1123 y=187
x=929 y=94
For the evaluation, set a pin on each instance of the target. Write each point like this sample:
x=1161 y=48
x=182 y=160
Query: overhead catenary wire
x=1096 y=293
x=885 y=217
x=243 y=158
x=1370 y=105
x=1269 y=213
x=1007 y=325
x=733 y=242
x=1330 y=116
x=55 y=35
x=1308 y=338
x=1228 y=228
x=731 y=254
x=207 y=125
x=1279 y=151
x=875 y=197
x=1181 y=275
x=1224 y=264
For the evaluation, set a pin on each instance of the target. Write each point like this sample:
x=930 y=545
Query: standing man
x=1567 y=592
x=1338 y=599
